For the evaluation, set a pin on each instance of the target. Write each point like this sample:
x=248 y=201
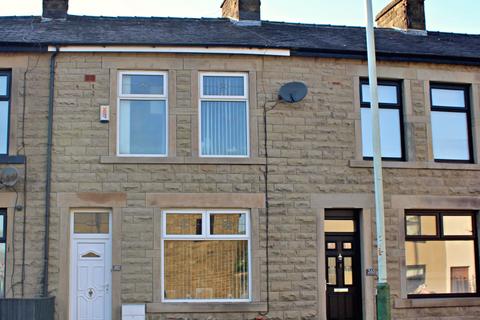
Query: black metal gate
x=27 y=309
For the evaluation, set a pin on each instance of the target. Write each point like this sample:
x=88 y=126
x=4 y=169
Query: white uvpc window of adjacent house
x=142 y=114
x=391 y=124
x=206 y=256
x=224 y=125
x=4 y=111
x=3 y=250
x=450 y=116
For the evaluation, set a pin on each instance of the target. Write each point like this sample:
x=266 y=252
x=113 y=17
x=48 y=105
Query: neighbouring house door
x=91 y=255
x=343 y=277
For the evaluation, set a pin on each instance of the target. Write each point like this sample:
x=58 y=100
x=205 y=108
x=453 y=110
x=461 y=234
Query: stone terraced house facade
x=171 y=199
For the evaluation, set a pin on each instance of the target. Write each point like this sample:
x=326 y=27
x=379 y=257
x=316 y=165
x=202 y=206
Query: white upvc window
x=206 y=256
x=142 y=119
x=223 y=115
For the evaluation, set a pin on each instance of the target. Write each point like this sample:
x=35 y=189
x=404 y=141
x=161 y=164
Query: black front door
x=342 y=251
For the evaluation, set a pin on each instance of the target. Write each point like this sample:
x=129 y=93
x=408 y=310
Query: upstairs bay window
x=224 y=115
x=451 y=125
x=4 y=111
x=142 y=114
x=391 y=123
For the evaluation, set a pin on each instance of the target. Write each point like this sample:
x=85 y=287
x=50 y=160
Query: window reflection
x=227 y=224
x=457 y=225
x=421 y=225
x=91 y=222
x=452 y=143
x=181 y=223
x=347 y=271
x=332 y=271
x=448 y=267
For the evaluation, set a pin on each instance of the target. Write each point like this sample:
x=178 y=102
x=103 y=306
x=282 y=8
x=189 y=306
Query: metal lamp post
x=383 y=289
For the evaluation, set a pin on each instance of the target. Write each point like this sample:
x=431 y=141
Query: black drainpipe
x=48 y=180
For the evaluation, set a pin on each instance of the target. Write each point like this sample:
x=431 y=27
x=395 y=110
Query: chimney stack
x=55 y=9
x=242 y=11
x=403 y=14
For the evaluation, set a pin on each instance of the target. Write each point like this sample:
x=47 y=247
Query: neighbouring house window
x=4 y=110
x=441 y=253
x=224 y=115
x=391 y=120
x=451 y=126
x=142 y=114
x=3 y=250
x=206 y=256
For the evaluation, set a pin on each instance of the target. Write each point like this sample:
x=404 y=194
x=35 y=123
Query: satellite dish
x=9 y=176
x=293 y=92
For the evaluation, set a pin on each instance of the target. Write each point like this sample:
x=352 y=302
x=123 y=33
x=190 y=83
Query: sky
x=460 y=16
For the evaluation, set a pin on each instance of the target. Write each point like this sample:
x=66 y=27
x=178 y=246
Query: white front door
x=90 y=280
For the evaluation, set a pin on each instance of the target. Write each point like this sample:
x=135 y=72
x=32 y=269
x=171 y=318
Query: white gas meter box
x=133 y=312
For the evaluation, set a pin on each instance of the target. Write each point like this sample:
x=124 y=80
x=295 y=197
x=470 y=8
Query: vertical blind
x=224 y=124
x=224 y=128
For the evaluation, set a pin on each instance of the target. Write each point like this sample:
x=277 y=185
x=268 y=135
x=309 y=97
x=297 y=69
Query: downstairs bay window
x=206 y=256
x=441 y=253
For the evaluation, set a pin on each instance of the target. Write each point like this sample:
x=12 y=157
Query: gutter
x=48 y=180
x=385 y=56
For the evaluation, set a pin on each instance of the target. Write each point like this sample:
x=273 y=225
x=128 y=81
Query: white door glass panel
x=386 y=94
x=3 y=127
x=223 y=86
x=143 y=127
x=3 y=85
x=390 y=134
x=142 y=84
x=448 y=98
x=224 y=128
x=450 y=135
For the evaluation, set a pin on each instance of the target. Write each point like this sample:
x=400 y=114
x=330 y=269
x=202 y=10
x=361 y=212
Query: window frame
x=205 y=236
x=244 y=98
x=392 y=106
x=3 y=239
x=156 y=97
x=8 y=98
x=467 y=110
x=440 y=237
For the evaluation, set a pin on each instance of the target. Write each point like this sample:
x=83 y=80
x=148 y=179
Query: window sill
x=179 y=160
x=6 y=159
x=206 y=307
x=436 y=303
x=416 y=165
